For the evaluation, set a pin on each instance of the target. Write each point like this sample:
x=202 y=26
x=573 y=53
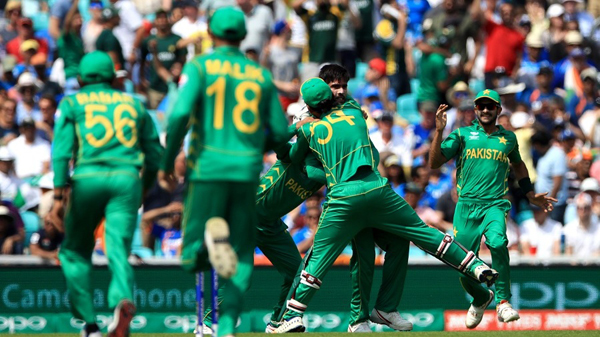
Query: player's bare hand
x=7 y=246
x=166 y=181
x=542 y=200
x=440 y=117
x=305 y=121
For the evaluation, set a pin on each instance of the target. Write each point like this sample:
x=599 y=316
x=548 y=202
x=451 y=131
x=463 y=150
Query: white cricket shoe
x=293 y=324
x=271 y=326
x=220 y=253
x=506 y=313
x=123 y=315
x=360 y=327
x=486 y=274
x=206 y=330
x=391 y=319
x=475 y=314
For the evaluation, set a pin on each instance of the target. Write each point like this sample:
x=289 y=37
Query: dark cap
x=545 y=68
x=413 y=188
x=428 y=106
x=27 y=121
x=386 y=117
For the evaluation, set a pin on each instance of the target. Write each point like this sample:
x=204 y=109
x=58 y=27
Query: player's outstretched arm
x=436 y=157
x=541 y=200
x=153 y=151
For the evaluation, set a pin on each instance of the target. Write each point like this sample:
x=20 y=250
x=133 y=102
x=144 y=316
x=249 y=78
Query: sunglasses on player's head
x=483 y=106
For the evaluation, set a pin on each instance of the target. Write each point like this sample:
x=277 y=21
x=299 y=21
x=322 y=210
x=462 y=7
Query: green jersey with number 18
x=232 y=106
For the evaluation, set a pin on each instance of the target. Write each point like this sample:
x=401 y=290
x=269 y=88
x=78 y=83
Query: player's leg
x=392 y=214
x=362 y=267
x=338 y=225
x=281 y=250
x=83 y=214
x=468 y=230
x=121 y=221
x=395 y=267
x=495 y=238
x=241 y=217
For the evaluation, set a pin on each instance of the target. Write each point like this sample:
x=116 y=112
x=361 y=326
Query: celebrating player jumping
x=483 y=152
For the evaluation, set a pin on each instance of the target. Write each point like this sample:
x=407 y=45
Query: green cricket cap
x=96 y=66
x=109 y=13
x=315 y=91
x=228 y=23
x=488 y=93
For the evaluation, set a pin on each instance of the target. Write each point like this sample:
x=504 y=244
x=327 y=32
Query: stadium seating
x=354 y=85
x=361 y=70
x=32 y=223
x=407 y=108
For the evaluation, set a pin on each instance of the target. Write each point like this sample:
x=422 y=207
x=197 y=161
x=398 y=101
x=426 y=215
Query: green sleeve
x=99 y=43
x=451 y=145
x=190 y=92
x=144 y=49
x=276 y=123
x=150 y=144
x=112 y=43
x=64 y=142
x=314 y=169
x=514 y=156
x=301 y=148
x=441 y=69
x=181 y=53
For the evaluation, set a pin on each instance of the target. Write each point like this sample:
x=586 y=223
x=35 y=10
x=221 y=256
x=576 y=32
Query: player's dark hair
x=542 y=138
x=324 y=106
x=334 y=72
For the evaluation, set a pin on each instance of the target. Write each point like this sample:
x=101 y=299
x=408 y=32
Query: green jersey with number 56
x=233 y=108
x=100 y=125
x=340 y=141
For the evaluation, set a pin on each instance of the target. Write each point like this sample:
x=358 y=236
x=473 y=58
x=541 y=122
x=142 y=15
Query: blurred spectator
x=522 y=124
x=283 y=62
x=446 y=204
x=28 y=86
x=45 y=127
x=346 y=43
x=46 y=242
x=164 y=46
x=193 y=30
x=463 y=115
x=584 y=101
x=166 y=227
x=508 y=91
x=11 y=241
x=322 y=26
x=503 y=42
x=304 y=237
x=385 y=140
x=419 y=134
x=130 y=31
x=412 y=195
x=540 y=236
x=9 y=129
x=582 y=235
x=9 y=183
x=554 y=36
x=107 y=41
x=92 y=28
x=31 y=153
x=434 y=76
x=376 y=78
x=70 y=47
x=590 y=187
x=12 y=14
x=390 y=34
x=25 y=29
x=365 y=44
x=436 y=186
x=530 y=65
x=394 y=172
x=590 y=124
x=551 y=169
x=539 y=97
x=259 y=24
x=583 y=18
x=8 y=65
x=28 y=50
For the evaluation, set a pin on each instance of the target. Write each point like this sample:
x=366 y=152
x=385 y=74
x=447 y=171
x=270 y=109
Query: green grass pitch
x=563 y=333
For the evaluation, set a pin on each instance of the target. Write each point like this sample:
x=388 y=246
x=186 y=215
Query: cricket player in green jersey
x=484 y=152
x=232 y=107
x=111 y=137
x=357 y=198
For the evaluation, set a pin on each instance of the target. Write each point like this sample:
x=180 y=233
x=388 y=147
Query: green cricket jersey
x=168 y=55
x=100 y=125
x=322 y=28
x=108 y=42
x=233 y=108
x=70 y=49
x=483 y=161
x=280 y=190
x=351 y=149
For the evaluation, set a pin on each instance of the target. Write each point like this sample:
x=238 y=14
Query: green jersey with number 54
x=100 y=125
x=233 y=108
x=340 y=140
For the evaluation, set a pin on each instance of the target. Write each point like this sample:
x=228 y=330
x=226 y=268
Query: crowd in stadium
x=404 y=57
